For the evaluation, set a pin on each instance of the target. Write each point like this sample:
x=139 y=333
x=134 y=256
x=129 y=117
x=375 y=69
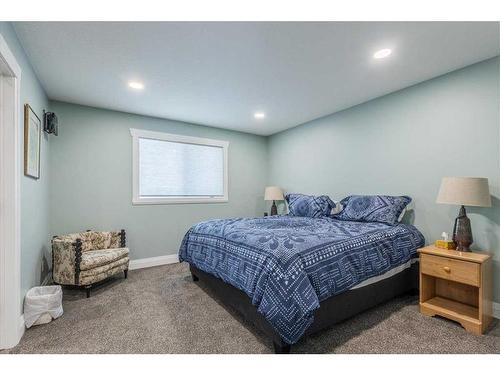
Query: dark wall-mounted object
x=50 y=123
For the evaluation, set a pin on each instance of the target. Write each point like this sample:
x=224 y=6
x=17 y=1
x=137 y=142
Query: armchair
x=83 y=259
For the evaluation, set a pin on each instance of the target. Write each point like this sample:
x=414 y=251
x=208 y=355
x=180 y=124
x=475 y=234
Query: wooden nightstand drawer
x=450 y=269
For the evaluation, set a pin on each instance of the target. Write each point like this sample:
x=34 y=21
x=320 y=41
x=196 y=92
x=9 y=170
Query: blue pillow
x=309 y=205
x=379 y=208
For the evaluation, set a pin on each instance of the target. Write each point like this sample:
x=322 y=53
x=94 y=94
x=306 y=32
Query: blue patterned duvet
x=287 y=265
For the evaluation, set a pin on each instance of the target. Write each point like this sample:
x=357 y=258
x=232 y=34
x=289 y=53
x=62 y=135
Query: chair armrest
x=123 y=238
x=118 y=239
x=66 y=259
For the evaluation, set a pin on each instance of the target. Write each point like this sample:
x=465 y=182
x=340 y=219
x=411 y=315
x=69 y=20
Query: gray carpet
x=160 y=310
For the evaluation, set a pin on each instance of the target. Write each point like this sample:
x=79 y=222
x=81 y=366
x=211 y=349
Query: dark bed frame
x=331 y=311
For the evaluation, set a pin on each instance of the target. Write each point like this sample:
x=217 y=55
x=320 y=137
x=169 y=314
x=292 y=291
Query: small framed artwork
x=32 y=140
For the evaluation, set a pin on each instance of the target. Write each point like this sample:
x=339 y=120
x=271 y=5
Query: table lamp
x=273 y=193
x=464 y=191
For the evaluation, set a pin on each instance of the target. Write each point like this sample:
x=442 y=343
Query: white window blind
x=170 y=168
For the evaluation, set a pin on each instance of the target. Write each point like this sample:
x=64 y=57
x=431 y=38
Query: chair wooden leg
x=87 y=289
x=125 y=273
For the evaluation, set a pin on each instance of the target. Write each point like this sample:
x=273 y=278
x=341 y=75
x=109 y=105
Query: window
x=169 y=168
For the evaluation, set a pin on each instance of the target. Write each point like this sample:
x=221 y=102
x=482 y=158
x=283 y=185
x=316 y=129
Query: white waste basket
x=42 y=304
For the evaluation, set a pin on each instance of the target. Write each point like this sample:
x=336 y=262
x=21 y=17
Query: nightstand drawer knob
x=447 y=269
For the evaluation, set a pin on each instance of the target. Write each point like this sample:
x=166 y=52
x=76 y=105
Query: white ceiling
x=219 y=74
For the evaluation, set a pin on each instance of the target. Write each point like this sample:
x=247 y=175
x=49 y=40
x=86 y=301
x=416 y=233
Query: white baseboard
x=152 y=262
x=496 y=310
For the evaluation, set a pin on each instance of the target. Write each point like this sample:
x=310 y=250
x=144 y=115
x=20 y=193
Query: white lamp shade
x=273 y=193
x=467 y=191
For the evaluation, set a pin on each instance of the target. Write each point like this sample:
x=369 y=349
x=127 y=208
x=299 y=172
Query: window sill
x=164 y=201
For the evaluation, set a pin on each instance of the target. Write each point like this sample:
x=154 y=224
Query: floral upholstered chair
x=83 y=259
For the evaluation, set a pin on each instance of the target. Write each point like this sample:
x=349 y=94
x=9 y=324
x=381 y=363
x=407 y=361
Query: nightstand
x=458 y=286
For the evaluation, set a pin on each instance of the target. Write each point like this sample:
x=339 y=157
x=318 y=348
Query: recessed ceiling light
x=383 y=53
x=136 y=85
x=259 y=115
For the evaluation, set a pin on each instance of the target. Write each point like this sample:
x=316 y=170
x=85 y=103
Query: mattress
x=287 y=265
x=390 y=273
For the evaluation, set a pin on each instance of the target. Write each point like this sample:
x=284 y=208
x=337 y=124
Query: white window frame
x=138 y=200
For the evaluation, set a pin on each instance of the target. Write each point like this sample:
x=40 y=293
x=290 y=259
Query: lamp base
x=274 y=209
x=462 y=232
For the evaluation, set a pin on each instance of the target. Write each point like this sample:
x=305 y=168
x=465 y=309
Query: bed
x=292 y=276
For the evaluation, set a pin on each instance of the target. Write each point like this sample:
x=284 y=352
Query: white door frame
x=11 y=322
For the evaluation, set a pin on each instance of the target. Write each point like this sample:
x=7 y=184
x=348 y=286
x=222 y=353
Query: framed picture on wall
x=32 y=140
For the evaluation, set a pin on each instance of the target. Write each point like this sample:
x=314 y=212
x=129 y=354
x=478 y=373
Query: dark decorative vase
x=462 y=233
x=274 y=209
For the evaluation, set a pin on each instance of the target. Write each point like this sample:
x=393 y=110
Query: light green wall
x=91 y=173
x=34 y=193
x=403 y=143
